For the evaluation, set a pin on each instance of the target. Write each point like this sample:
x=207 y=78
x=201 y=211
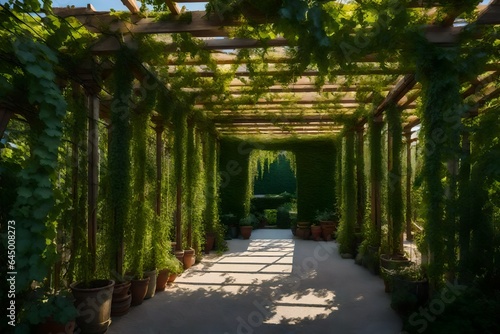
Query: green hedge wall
x=233 y=171
x=278 y=179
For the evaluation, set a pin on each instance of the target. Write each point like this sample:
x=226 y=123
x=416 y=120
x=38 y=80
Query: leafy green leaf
x=24 y=192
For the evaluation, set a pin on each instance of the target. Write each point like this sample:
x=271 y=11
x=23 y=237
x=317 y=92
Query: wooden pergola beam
x=309 y=120
x=172 y=6
x=131 y=5
x=490 y=15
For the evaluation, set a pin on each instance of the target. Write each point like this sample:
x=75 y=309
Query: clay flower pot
x=171 y=279
x=161 y=280
x=209 y=242
x=152 y=283
x=189 y=258
x=246 y=232
x=327 y=229
x=138 y=289
x=316 y=232
x=122 y=299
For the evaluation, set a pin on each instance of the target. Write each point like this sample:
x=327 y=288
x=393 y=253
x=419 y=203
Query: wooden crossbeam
x=276 y=119
x=172 y=6
x=490 y=15
x=131 y=5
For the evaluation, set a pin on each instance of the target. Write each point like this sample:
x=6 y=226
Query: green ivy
x=394 y=182
x=376 y=175
x=348 y=221
x=438 y=74
x=119 y=156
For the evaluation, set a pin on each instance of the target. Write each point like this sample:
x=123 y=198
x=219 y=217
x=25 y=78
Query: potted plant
x=369 y=249
x=230 y=222
x=303 y=230
x=410 y=288
x=52 y=313
x=122 y=299
x=209 y=240
x=152 y=274
x=174 y=267
x=393 y=257
x=189 y=257
x=246 y=226
x=93 y=302
x=316 y=231
x=271 y=217
x=283 y=219
x=328 y=222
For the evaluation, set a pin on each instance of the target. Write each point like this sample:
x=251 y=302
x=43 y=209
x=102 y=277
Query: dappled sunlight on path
x=271 y=283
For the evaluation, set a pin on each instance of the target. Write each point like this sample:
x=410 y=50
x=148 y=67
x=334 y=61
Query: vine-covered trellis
x=306 y=74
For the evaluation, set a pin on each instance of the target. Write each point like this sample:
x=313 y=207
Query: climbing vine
x=394 y=186
x=119 y=157
x=440 y=118
x=348 y=221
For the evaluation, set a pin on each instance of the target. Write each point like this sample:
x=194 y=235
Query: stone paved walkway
x=271 y=283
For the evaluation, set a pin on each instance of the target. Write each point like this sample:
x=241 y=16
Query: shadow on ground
x=270 y=284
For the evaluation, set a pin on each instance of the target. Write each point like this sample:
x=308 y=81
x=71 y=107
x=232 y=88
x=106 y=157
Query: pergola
x=301 y=107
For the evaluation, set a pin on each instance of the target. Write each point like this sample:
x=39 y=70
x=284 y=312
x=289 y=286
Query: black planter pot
x=371 y=260
x=390 y=263
x=407 y=296
x=93 y=303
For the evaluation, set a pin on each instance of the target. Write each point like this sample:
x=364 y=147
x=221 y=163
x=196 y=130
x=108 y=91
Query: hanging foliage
x=437 y=71
x=346 y=237
x=376 y=176
x=394 y=182
x=119 y=157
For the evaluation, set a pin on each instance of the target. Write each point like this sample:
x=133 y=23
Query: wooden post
x=389 y=180
x=409 y=235
x=159 y=150
x=178 y=217
x=93 y=170
x=376 y=200
x=360 y=175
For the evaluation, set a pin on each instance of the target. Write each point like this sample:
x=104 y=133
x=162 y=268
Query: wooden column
x=5 y=116
x=178 y=217
x=360 y=175
x=409 y=235
x=93 y=169
x=376 y=199
x=159 y=155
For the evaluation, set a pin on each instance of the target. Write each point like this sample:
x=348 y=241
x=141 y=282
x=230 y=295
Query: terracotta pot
x=94 y=305
x=327 y=229
x=316 y=232
x=50 y=326
x=171 y=279
x=179 y=255
x=121 y=299
x=120 y=290
x=189 y=258
x=122 y=306
x=246 y=232
x=209 y=242
x=161 y=280
x=152 y=283
x=138 y=289
x=303 y=230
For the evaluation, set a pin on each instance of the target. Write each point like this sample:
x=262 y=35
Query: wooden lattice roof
x=299 y=108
